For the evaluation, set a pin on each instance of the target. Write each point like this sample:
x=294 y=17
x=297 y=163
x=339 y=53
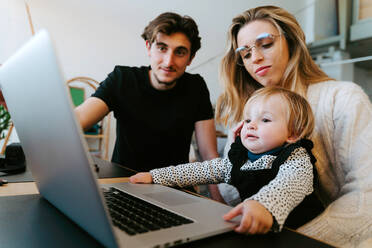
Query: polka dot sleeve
x=207 y=172
x=293 y=182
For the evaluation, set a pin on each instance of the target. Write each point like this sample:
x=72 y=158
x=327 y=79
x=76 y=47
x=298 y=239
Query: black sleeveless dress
x=250 y=182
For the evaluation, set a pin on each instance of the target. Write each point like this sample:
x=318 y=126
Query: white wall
x=92 y=36
x=14 y=29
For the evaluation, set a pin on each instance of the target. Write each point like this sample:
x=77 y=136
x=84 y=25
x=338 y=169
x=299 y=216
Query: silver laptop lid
x=41 y=110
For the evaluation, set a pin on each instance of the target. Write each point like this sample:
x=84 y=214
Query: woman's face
x=264 y=52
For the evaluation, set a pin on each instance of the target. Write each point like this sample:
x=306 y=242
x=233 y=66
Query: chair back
x=80 y=89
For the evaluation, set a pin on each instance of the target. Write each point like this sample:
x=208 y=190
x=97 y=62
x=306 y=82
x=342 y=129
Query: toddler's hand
x=142 y=177
x=256 y=218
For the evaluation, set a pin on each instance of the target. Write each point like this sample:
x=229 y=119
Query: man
x=158 y=107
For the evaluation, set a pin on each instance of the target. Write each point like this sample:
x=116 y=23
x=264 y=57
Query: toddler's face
x=265 y=124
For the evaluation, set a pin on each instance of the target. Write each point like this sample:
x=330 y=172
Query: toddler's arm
x=207 y=172
x=290 y=186
x=256 y=219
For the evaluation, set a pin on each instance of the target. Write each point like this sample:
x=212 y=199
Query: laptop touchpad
x=171 y=199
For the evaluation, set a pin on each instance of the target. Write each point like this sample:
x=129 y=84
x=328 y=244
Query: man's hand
x=215 y=193
x=256 y=218
x=142 y=177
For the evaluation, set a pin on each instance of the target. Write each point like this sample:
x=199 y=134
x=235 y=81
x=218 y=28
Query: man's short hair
x=169 y=23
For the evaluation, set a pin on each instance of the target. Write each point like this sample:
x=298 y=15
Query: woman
x=267 y=47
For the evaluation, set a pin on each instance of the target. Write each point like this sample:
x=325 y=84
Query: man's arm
x=205 y=134
x=91 y=111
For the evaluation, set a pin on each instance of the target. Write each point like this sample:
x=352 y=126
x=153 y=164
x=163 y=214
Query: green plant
x=4 y=121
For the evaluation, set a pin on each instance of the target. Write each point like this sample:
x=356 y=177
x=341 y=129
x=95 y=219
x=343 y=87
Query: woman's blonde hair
x=238 y=85
x=300 y=118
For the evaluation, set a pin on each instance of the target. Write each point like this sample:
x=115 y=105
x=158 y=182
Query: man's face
x=169 y=56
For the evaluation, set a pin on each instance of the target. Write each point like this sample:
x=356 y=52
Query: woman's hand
x=142 y=177
x=236 y=130
x=256 y=218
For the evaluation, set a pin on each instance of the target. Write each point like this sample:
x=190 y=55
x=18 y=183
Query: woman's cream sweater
x=343 y=148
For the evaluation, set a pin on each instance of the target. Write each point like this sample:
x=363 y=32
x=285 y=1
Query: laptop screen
x=51 y=137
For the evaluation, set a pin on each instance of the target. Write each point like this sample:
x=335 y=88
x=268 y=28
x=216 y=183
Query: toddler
x=270 y=163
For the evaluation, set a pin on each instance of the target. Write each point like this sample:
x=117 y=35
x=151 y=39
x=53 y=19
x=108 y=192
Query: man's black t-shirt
x=154 y=128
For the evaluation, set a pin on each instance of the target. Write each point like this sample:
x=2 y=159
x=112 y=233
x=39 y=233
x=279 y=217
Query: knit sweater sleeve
x=207 y=172
x=293 y=182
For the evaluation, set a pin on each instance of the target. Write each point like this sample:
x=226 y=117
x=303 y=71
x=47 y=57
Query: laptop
x=57 y=155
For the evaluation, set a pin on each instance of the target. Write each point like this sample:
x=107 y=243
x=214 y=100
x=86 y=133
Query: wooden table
x=28 y=188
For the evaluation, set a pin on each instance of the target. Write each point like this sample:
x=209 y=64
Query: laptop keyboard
x=134 y=215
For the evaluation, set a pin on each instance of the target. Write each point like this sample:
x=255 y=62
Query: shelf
x=362 y=20
x=355 y=33
x=361 y=30
x=338 y=41
x=361 y=48
x=320 y=46
x=94 y=136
